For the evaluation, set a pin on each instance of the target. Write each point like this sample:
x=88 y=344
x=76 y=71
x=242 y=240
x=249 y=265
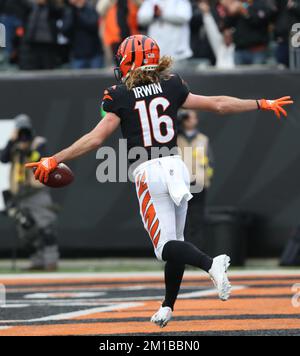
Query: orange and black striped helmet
x=136 y=51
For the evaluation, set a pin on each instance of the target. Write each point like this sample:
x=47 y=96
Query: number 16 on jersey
x=152 y=124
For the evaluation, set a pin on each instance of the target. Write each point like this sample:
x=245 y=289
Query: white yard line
x=205 y=293
x=79 y=313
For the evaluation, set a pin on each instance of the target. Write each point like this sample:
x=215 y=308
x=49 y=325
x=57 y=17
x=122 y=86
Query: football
x=60 y=177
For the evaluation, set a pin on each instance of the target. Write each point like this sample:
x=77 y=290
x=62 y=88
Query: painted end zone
x=261 y=304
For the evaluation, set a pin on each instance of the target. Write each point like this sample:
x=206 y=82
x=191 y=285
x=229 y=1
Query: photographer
x=28 y=201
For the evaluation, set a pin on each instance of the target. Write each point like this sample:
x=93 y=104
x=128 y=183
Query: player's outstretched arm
x=85 y=144
x=92 y=140
x=231 y=105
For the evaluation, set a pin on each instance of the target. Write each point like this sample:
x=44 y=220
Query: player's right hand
x=276 y=105
x=43 y=168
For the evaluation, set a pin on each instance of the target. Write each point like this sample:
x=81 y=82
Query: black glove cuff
x=258 y=104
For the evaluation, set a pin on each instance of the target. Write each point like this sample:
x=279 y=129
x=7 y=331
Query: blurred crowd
x=78 y=34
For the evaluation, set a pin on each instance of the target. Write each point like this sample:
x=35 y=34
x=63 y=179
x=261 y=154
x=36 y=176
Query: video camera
x=25 y=135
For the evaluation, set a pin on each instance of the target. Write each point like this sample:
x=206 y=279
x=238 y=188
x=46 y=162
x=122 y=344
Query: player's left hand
x=276 y=105
x=43 y=168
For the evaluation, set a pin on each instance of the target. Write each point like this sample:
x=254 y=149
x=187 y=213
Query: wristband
x=258 y=104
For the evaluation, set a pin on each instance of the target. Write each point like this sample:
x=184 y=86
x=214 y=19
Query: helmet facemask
x=117 y=71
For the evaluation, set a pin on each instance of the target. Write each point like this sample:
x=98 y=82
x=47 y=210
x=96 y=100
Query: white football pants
x=163 y=190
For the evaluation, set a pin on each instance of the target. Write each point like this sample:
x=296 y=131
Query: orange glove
x=43 y=168
x=276 y=105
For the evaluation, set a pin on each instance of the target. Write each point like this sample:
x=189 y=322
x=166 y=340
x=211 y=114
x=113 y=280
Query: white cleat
x=218 y=274
x=162 y=317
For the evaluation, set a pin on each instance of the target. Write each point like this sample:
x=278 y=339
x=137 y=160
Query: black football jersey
x=148 y=112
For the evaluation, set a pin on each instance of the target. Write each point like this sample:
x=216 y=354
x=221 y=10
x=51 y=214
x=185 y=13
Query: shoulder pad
x=109 y=101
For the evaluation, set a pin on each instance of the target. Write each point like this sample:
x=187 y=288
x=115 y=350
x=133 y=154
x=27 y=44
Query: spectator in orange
x=119 y=20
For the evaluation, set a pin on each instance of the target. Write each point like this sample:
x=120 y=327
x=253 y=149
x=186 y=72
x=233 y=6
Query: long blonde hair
x=140 y=76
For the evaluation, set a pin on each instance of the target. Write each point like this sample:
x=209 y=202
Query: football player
x=145 y=103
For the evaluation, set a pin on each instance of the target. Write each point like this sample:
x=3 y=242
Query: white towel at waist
x=177 y=178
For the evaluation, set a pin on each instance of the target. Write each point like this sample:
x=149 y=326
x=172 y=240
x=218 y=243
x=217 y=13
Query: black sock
x=185 y=253
x=173 y=277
